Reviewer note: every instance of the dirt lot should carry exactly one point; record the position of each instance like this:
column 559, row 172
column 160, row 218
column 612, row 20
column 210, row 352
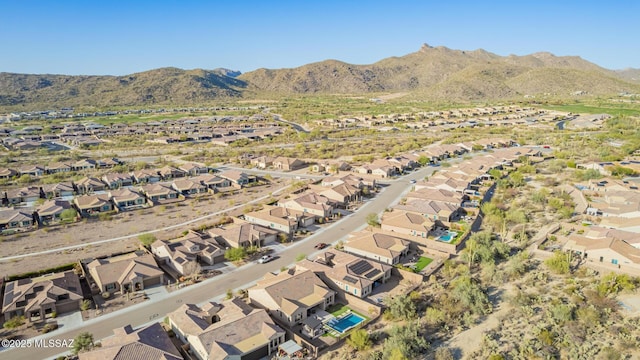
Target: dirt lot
column 123, row 224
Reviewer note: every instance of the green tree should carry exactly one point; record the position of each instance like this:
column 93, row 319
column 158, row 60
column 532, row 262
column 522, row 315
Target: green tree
column 82, row 342
column 612, row 284
column 469, row 294
column 85, row 305
column 359, row 340
column 401, row 307
column 14, row 322
column 423, row 160
column 235, row 254
column 24, row 179
column 372, row 220
column 147, row 239
column 69, row 214
column 404, row 342
column 558, row 263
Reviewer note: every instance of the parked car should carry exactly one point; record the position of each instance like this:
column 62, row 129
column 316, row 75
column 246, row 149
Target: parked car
column 320, row 246
column 412, row 181
column 265, row 259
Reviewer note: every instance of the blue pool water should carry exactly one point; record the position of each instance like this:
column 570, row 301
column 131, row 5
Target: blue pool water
column 450, row 235
column 346, row 322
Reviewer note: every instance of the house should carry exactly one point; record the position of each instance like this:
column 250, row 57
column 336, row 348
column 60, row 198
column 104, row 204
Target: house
column 311, row 203
column 406, row 223
column 243, row 234
column 84, row 164
column 212, row 182
column 288, row 164
column 193, row 169
column 150, row 342
column 159, row 193
column 440, row 195
column 108, row 163
column 126, row 199
column 189, row 187
column 7, row 174
column 292, row 296
column 51, row 210
column 27, row 194
column 91, row 205
column 434, row 210
column 43, row 298
column 32, row 170
column 280, row 218
column 381, row 247
column 184, row 254
column 341, row 195
column 59, row 190
column 170, row 173
column 87, row 185
column 262, row 162
column 16, row 219
column 117, row 180
column 444, row 183
column 145, row 176
column 348, row 273
column 125, row 273
column 608, row 250
column 226, row 331
column 238, row 179
column 59, row 167
column 352, row 180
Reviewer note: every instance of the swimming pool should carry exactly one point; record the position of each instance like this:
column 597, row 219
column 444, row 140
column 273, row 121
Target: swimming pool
column 448, row 237
column 345, row 323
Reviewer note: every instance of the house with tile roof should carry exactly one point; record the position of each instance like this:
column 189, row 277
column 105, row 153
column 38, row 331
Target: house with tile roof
column 348, row 273
column 288, row 164
column 433, row 210
column 130, row 272
column 227, row 330
column 58, row 190
column 145, row 176
column 50, row 211
column 27, row 194
column 280, row 219
column 92, row 205
column 189, row 187
column 407, row 223
column 159, row 193
column 150, row 342
column 184, row 254
column 311, row 203
column 6, row 173
column 127, row 199
column 193, row 169
column 87, row 185
column 117, row 180
column 168, row 173
column 16, row 219
column 242, row 233
column 385, row 248
column 292, row 296
column 238, row 178
column 609, row 250
column 38, row 299
column 213, row 182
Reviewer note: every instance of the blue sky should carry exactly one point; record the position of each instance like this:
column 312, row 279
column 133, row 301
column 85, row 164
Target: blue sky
column 122, row 37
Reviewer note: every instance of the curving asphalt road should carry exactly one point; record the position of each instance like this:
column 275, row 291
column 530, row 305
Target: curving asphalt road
column 242, row 277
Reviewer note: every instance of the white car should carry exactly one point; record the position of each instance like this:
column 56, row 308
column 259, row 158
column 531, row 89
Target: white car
column 265, row 259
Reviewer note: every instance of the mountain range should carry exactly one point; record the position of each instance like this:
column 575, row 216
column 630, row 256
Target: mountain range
column 432, row 73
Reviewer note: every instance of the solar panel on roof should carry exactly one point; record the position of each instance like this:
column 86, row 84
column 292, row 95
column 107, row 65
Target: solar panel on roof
column 350, row 279
column 372, row 273
column 9, row 287
column 361, row 267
